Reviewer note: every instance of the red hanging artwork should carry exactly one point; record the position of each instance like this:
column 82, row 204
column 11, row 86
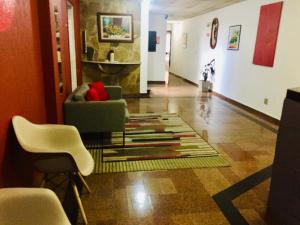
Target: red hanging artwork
column 267, row 33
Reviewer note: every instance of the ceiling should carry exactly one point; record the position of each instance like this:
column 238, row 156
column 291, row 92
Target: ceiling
column 183, row 9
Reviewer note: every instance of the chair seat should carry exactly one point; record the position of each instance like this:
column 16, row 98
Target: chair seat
column 28, row 206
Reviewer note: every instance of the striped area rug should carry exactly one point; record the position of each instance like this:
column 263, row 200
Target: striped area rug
column 156, row 142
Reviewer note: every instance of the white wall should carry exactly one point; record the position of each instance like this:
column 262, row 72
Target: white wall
column 169, row 27
column 72, row 47
column 236, row 76
column 144, row 45
column 156, row 60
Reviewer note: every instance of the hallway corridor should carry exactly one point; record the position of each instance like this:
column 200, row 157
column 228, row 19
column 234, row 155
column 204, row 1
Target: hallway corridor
column 177, row 87
column 192, row 196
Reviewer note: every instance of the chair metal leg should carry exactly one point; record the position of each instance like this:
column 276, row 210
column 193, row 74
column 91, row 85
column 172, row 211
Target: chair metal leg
column 123, row 139
column 84, row 182
column 102, row 140
column 77, row 196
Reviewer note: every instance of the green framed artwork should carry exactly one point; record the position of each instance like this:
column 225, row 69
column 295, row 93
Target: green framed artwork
column 234, row 37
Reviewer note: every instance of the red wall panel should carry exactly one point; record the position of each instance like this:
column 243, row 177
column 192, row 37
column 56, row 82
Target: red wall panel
column 21, row 83
column 26, row 76
column 267, row 34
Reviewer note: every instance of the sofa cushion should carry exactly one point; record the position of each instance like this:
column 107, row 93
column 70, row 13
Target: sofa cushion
column 114, row 92
column 78, row 98
column 79, row 93
column 99, row 87
column 92, row 95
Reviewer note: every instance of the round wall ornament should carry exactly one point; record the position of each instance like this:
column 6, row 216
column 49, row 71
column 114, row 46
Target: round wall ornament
column 214, row 33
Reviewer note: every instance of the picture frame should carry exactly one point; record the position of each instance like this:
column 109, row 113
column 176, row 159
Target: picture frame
column 234, row 37
column 115, row 27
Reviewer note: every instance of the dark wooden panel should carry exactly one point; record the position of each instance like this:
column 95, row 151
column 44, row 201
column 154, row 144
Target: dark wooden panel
column 284, row 198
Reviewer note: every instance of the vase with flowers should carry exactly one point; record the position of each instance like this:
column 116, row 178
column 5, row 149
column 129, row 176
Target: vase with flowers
column 208, row 76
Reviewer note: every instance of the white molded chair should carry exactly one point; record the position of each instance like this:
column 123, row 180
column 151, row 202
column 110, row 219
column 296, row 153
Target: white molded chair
column 28, row 206
column 55, row 149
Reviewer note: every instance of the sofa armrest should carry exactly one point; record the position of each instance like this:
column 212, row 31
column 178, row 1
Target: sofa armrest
column 114, row 92
column 103, row 116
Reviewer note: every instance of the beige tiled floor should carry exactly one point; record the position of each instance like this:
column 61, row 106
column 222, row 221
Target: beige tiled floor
column 185, row 196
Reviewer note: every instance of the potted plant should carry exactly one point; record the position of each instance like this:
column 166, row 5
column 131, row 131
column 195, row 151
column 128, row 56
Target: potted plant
column 208, row 74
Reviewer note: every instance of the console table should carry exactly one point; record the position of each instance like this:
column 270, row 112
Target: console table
column 113, row 69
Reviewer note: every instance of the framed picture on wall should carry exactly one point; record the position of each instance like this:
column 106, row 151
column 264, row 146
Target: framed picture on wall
column 184, row 40
column 115, row 27
column 234, row 37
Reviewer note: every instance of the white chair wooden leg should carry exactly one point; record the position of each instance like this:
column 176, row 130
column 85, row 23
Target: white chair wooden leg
column 77, row 196
column 84, row 183
column 45, row 178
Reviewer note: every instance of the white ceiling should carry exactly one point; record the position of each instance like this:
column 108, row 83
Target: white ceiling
column 182, row 9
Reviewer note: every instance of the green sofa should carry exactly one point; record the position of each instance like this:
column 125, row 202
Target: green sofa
column 96, row 116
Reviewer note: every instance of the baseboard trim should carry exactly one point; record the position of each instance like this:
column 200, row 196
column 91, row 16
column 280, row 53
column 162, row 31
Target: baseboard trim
column 139, row 95
column 190, row 82
column 157, row 82
column 248, row 109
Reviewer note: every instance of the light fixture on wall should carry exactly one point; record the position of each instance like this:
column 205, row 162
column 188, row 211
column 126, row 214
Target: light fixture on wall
column 7, row 13
column 84, row 45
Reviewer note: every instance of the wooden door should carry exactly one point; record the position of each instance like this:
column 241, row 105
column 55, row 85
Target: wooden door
column 55, row 56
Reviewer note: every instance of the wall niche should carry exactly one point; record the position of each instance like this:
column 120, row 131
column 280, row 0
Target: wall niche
column 129, row 78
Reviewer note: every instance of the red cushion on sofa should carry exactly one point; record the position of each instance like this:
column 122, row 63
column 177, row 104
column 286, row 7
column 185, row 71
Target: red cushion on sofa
column 100, row 90
column 92, row 95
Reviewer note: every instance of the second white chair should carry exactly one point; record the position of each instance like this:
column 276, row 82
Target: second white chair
column 28, row 206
